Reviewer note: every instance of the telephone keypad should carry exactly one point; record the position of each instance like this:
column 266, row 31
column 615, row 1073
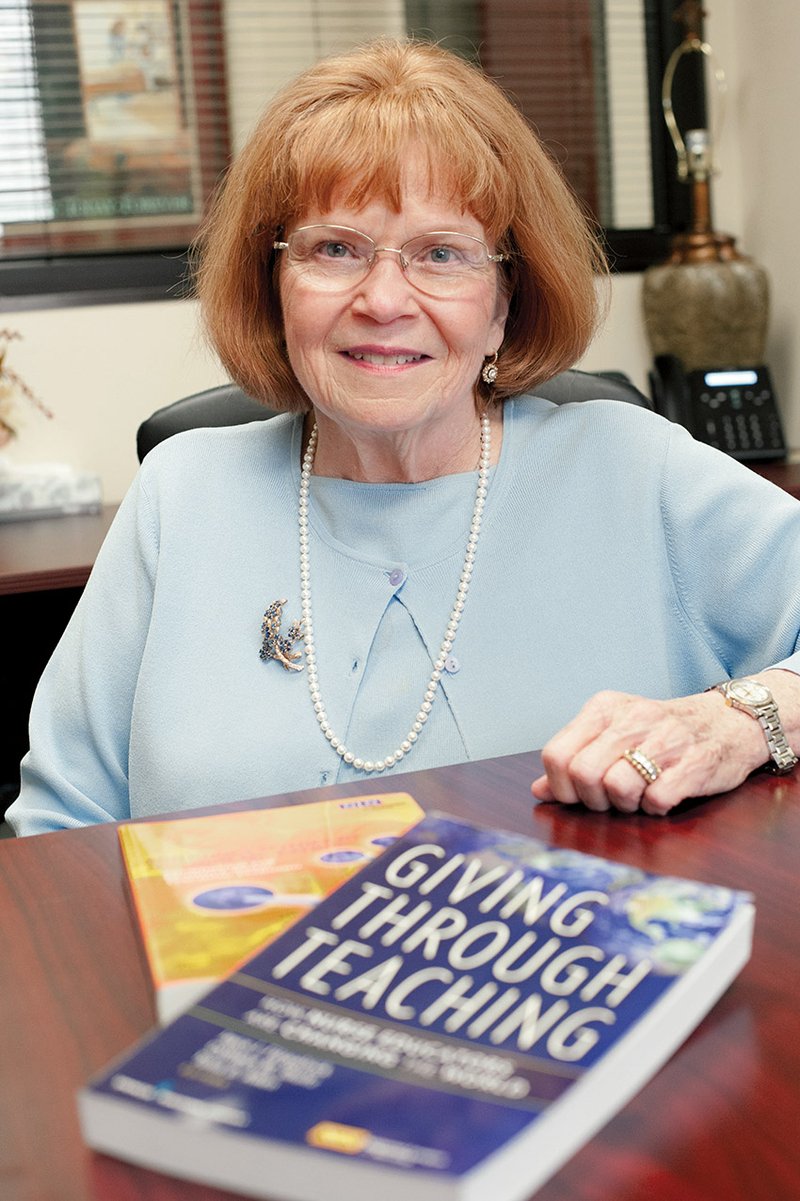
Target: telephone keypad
column 741, row 421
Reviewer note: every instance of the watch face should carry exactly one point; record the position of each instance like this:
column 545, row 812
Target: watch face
column 750, row 692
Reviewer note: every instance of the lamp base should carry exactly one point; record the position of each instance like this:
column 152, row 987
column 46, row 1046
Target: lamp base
column 709, row 313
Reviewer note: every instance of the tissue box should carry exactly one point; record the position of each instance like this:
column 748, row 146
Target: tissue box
column 47, row 490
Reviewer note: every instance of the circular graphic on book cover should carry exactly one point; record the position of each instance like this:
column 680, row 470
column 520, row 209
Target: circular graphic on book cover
column 233, row 898
column 383, row 840
column 342, row 855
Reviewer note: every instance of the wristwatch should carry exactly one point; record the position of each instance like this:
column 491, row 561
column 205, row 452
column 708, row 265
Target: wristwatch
column 756, row 699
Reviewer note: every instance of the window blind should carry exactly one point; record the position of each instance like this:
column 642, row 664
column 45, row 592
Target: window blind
column 577, row 69
column 119, row 116
column 24, row 185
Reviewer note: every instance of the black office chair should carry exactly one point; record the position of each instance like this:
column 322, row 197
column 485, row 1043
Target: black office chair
column 228, row 405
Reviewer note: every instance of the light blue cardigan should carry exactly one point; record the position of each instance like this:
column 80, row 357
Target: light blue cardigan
column 615, row 553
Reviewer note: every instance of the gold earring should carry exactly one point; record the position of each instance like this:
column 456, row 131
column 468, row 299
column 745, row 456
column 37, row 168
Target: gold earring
column 489, row 372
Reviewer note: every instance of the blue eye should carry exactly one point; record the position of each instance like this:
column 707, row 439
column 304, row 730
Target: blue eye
column 334, row 250
column 431, row 255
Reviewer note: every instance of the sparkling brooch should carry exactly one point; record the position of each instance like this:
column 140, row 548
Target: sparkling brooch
column 275, row 645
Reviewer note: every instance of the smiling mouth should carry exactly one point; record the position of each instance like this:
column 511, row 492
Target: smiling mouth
column 384, row 360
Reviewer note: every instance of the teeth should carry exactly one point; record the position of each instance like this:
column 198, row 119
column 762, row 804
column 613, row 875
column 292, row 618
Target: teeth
column 383, row 360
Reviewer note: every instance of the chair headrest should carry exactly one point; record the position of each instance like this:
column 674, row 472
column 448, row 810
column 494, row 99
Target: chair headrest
column 227, row 404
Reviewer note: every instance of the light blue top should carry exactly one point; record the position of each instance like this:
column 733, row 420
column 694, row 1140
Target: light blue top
column 615, row 553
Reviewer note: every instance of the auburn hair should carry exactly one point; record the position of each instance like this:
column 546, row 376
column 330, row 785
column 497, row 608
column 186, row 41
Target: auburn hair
column 345, row 128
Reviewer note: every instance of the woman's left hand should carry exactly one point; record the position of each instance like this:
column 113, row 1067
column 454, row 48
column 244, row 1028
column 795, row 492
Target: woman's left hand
column 699, row 745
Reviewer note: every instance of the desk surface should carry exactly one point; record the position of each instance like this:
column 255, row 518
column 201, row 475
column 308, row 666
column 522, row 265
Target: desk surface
column 42, row 553
column 785, row 475
column 719, row 1122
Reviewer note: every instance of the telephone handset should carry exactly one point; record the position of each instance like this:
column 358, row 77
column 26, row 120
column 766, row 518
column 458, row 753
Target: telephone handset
column 732, row 409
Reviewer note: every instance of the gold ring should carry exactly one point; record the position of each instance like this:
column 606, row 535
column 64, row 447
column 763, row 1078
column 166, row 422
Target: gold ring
column 645, row 766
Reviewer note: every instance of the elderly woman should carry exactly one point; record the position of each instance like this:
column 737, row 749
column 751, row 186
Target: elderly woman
column 419, row 562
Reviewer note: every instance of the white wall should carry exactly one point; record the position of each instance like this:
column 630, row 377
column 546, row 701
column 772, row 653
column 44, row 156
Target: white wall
column 102, row 370
column 765, row 108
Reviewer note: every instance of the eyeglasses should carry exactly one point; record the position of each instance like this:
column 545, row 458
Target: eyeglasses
column 335, row 258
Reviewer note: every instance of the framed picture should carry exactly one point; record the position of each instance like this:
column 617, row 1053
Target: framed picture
column 132, row 117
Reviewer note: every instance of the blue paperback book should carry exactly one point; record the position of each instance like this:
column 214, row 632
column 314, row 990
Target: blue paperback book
column 451, row 1024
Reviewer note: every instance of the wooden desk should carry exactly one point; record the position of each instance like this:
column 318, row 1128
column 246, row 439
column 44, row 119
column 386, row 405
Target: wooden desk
column 51, row 552
column 785, row 475
column 719, row 1122
column 44, row 563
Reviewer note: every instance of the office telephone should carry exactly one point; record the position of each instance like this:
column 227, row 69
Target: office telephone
column 733, row 409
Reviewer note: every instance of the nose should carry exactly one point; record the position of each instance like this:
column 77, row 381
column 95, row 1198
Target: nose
column 385, row 291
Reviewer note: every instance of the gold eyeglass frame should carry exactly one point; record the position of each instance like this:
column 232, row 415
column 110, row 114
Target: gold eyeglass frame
column 398, row 250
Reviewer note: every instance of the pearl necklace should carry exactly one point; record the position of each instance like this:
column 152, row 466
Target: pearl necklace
column 379, row 765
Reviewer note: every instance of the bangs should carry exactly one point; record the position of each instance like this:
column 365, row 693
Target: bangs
column 362, row 150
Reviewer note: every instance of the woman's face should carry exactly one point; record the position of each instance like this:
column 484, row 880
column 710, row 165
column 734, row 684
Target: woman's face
column 383, row 356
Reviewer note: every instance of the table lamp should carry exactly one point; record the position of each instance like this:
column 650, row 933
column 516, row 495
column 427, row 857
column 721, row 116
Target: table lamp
column 707, row 304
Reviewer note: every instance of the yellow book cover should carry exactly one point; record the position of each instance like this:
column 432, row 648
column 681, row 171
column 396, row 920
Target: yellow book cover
column 210, row 891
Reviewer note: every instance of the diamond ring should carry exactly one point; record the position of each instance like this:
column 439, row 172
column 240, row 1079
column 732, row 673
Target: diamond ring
column 645, row 766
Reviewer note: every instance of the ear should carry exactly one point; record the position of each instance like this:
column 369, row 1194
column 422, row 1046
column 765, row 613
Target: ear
column 497, row 328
